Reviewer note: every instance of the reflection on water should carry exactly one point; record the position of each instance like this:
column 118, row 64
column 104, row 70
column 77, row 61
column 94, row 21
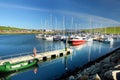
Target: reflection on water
column 7, row 76
column 78, row 47
column 111, row 44
column 35, row 70
column 48, row 70
column 65, row 62
column 89, row 50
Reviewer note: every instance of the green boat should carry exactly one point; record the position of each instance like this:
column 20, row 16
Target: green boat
column 10, row 67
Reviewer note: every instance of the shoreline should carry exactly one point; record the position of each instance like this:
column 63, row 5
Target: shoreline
column 16, row 33
column 69, row 75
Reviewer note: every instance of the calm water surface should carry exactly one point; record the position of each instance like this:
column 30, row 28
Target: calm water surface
column 49, row 70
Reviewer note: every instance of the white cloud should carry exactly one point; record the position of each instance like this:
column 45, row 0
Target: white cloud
column 23, row 7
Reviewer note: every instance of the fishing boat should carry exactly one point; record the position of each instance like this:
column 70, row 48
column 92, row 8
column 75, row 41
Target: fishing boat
column 11, row 67
column 76, row 40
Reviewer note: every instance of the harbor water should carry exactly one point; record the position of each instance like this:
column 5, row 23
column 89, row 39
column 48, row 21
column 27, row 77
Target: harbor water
column 51, row 69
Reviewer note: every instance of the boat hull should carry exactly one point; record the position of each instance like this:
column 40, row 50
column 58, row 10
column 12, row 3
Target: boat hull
column 74, row 43
column 8, row 67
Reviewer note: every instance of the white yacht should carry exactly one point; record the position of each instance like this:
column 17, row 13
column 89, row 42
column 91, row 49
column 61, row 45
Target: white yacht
column 48, row 37
column 39, row 36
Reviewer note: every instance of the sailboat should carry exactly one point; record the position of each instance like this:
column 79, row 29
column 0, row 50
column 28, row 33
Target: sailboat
column 75, row 39
column 48, row 36
column 89, row 38
column 40, row 36
column 56, row 37
column 60, row 37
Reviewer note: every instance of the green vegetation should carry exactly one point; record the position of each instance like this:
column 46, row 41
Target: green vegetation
column 13, row 30
column 106, row 30
column 9, row 28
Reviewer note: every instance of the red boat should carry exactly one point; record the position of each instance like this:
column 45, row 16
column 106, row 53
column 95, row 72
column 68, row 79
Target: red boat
column 77, row 43
column 76, row 40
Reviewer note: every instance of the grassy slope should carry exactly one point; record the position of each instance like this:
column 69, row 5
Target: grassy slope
column 9, row 28
column 107, row 30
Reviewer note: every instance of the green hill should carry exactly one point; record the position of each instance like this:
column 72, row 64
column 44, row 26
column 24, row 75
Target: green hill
column 13, row 30
column 9, row 28
column 106, row 30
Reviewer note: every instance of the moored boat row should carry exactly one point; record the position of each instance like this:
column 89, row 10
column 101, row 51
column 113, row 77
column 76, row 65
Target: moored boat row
column 78, row 38
column 50, row 37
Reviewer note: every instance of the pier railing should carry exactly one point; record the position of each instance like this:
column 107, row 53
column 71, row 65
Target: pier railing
column 27, row 53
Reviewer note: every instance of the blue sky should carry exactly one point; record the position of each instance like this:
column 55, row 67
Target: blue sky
column 48, row 14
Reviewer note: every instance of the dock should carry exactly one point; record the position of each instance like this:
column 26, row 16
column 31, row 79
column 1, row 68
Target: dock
column 39, row 56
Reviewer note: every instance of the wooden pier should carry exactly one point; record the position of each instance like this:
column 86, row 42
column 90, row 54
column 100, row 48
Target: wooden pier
column 39, row 56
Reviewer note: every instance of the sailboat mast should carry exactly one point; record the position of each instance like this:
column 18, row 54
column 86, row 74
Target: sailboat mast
column 51, row 21
column 71, row 24
column 51, row 28
column 90, row 25
column 66, row 45
column 63, row 23
column 56, row 23
column 41, row 26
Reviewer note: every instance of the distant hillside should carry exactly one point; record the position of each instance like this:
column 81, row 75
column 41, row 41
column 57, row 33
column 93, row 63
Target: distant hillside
column 13, row 30
column 9, row 28
column 107, row 30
